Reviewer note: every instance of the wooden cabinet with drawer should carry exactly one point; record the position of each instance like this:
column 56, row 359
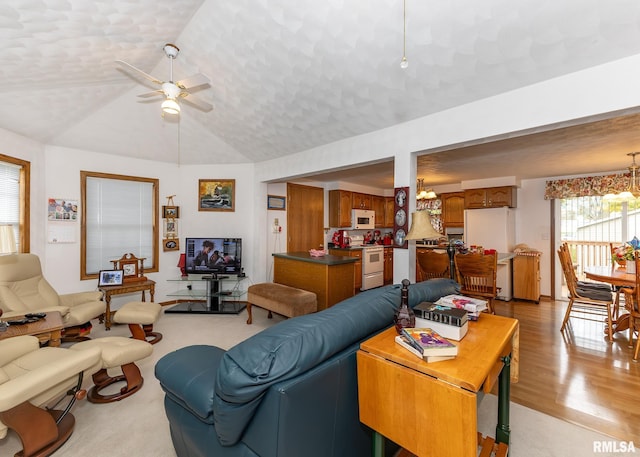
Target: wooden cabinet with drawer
column 357, row 265
column 526, row 277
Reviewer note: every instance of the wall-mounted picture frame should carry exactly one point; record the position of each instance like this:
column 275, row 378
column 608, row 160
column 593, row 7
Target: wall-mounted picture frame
column 276, row 202
column 400, row 219
column 216, row 194
column 170, row 228
column 171, row 244
column 170, row 212
column 110, row 278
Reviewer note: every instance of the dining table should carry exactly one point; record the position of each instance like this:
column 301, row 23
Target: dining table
column 616, row 276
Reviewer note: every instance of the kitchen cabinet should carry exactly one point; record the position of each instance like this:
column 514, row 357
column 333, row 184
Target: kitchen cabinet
column 452, row 209
column 526, row 276
column 360, row 201
column 378, row 204
column 357, row 253
column 340, row 202
column 388, row 266
column 389, row 213
column 490, row 197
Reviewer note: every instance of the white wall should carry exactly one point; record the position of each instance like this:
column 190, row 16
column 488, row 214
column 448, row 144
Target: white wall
column 61, row 262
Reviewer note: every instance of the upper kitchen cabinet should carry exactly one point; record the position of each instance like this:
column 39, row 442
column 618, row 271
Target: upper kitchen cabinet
column 389, row 211
column 340, row 203
column 377, row 202
column 453, row 209
column 491, row 197
column 360, row 201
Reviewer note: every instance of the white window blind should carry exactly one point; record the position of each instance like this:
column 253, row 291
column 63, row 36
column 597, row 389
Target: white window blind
column 119, row 220
column 10, row 196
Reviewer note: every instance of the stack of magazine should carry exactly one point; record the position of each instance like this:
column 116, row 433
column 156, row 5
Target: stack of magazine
column 427, row 344
column 451, row 323
column 473, row 306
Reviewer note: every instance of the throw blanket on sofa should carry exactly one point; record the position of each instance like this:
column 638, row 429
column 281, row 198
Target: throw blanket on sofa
column 296, row 345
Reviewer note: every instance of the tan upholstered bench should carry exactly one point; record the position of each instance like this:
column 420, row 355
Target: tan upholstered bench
column 117, row 351
column 140, row 316
column 280, row 299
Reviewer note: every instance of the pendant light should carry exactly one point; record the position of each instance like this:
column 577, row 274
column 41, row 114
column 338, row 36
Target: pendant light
column 404, row 63
column 632, row 192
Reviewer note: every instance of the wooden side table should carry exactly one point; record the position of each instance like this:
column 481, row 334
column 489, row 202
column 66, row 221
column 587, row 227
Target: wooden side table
column 126, row 288
column 48, row 329
column 431, row 408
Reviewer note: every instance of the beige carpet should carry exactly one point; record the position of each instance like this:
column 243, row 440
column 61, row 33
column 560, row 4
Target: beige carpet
column 137, row 426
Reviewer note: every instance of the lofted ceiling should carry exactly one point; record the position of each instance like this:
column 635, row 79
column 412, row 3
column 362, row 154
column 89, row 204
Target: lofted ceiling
column 287, row 76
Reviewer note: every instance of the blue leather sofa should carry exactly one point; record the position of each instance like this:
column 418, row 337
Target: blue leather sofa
column 288, row 391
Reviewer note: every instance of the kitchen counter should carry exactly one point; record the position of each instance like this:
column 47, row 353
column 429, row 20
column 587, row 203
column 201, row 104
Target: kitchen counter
column 306, row 257
column 330, row 277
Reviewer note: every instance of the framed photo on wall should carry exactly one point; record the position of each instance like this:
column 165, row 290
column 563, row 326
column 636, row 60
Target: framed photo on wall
column 170, row 212
column 171, row 244
column 276, row 202
column 400, row 217
column 216, row 194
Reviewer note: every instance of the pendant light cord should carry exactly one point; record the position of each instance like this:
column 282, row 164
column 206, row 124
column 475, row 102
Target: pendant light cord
column 404, row 63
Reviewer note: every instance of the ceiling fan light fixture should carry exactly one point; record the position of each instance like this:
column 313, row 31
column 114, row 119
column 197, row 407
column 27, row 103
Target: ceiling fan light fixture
column 170, row 106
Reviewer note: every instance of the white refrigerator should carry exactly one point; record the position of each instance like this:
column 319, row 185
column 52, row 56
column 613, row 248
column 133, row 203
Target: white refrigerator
column 494, row 228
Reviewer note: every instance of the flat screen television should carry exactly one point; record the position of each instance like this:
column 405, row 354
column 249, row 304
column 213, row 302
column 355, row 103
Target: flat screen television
column 213, row 255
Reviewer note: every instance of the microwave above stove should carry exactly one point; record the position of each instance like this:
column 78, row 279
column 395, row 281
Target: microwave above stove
column 363, row 219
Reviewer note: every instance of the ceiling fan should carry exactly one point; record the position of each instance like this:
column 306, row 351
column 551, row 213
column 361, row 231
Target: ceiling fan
column 174, row 90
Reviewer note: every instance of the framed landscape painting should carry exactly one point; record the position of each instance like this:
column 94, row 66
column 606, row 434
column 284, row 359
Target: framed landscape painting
column 216, row 195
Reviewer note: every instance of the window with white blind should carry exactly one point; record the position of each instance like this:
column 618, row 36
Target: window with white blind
column 119, row 216
column 14, row 198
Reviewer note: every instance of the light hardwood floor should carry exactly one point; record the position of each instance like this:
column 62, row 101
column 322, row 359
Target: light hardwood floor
column 577, row 375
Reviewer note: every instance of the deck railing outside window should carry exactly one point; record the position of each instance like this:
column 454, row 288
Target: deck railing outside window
column 589, row 253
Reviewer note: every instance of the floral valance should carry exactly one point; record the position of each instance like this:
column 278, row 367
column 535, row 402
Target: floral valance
column 587, row 186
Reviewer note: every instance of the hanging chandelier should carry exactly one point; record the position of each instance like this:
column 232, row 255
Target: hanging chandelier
column 423, row 194
column 632, row 191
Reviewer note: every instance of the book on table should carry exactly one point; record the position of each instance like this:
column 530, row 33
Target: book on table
column 440, row 313
column 474, row 306
column 404, row 342
column 450, row 332
column 429, row 342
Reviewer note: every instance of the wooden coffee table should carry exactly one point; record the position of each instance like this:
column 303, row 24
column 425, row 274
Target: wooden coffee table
column 48, row 329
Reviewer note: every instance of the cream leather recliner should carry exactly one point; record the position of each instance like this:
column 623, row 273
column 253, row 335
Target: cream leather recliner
column 31, row 377
column 23, row 290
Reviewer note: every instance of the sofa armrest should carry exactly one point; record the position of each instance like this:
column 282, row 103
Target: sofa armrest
column 12, row 348
column 188, row 377
column 47, row 376
column 63, row 310
column 78, row 298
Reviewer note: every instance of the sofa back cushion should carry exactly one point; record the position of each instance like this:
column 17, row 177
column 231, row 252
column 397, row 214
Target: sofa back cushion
column 22, row 286
column 296, row 345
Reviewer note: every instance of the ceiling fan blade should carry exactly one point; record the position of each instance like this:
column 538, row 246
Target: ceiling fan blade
column 192, row 81
column 201, row 105
column 140, row 72
column 151, row 94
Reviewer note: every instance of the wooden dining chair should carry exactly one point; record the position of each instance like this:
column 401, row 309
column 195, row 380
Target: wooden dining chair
column 476, row 274
column 588, row 302
column 432, row 264
column 632, row 306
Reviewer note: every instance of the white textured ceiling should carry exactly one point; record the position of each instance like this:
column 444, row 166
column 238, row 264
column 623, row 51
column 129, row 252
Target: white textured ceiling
column 285, row 75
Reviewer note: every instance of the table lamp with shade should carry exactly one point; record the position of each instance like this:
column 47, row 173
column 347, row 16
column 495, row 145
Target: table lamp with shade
column 422, row 229
column 7, row 240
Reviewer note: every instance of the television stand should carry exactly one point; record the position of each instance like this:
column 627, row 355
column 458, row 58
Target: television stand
column 212, row 299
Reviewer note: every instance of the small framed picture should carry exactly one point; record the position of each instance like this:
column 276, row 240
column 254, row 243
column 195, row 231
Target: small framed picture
column 110, row 278
column 276, row 202
column 170, row 228
column 171, row 244
column 170, row 212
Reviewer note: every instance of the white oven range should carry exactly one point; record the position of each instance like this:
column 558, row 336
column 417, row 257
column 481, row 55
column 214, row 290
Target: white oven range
column 372, row 266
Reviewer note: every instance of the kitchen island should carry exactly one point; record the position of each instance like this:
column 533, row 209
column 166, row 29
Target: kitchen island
column 330, row 277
